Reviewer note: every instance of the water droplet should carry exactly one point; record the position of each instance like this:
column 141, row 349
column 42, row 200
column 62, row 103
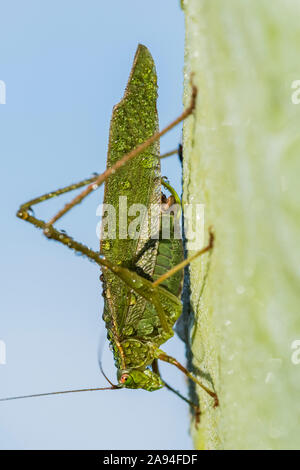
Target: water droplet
column 95, row 186
column 106, row 245
column 147, row 162
column 126, row 185
column 105, row 317
column 128, row 330
column 132, row 300
column 22, row 215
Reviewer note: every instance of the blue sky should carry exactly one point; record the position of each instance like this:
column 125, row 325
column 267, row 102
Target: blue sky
column 65, row 65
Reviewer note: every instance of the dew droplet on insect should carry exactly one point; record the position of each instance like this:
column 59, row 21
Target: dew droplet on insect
column 95, row 186
column 126, row 184
column 147, row 162
column 132, row 300
column 106, row 245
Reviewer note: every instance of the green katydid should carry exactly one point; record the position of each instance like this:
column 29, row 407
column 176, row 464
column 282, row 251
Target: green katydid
column 142, row 276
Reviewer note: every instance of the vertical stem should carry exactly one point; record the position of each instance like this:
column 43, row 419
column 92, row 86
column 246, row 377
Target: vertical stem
column 241, row 159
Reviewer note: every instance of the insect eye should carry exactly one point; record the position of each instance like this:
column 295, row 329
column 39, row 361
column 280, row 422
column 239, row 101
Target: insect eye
column 124, row 378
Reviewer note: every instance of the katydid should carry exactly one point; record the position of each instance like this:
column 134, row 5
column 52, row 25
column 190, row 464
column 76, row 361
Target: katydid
column 142, row 276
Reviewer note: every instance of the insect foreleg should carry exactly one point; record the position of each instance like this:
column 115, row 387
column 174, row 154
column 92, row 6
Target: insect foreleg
column 172, row 191
column 164, row 357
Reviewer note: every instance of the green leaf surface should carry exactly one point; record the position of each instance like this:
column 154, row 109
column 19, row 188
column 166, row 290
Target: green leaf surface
column 242, row 160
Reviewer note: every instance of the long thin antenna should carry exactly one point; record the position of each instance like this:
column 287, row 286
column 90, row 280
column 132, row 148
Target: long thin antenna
column 104, row 375
column 113, row 387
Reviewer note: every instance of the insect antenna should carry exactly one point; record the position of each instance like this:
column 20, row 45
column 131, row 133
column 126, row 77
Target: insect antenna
column 113, row 387
column 104, row 375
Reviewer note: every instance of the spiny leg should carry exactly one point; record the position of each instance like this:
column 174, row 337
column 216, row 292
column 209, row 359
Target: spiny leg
column 67, row 240
column 57, row 192
column 129, row 156
column 51, row 232
column 93, row 183
column 195, row 407
column 171, row 360
column 61, row 236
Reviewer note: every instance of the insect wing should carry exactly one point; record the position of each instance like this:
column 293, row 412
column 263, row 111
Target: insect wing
column 135, row 186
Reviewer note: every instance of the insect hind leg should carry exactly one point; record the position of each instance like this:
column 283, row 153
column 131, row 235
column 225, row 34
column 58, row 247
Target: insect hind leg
column 58, row 192
column 50, row 232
